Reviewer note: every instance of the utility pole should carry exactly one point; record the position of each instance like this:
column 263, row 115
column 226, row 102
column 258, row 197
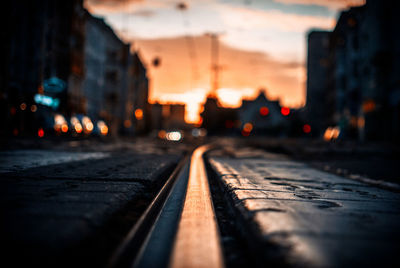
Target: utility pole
column 215, row 67
column 190, row 46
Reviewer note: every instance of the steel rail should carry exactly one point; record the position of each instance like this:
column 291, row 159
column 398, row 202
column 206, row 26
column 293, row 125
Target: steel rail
column 197, row 242
column 129, row 248
column 179, row 228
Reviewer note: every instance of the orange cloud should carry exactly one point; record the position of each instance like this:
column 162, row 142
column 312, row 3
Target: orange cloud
column 109, row 6
column 250, row 19
column 332, row 4
column 241, row 72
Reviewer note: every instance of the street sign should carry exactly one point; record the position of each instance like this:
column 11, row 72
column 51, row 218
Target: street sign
column 54, row 85
column 47, row 101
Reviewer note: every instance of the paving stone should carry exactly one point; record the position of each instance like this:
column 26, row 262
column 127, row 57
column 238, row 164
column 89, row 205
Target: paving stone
column 316, row 218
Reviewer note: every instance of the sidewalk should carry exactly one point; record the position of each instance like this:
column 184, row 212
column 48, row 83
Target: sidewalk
column 299, row 216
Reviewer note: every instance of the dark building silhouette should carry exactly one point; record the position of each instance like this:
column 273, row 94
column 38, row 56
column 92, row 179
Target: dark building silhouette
column 138, row 91
column 319, row 109
column 107, row 61
column 361, row 75
column 258, row 116
column 346, row 58
column 168, row 116
column 73, row 60
column 42, row 40
column 380, row 69
column 264, row 115
column 217, row 119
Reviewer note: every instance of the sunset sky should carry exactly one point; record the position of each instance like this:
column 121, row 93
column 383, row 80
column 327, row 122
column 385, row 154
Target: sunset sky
column 262, row 45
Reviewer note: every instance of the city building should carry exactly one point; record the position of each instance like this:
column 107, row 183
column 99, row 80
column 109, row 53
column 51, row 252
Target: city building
column 61, row 60
column 76, row 101
column 138, row 95
column 217, row 119
column 346, row 59
column 168, row 116
column 354, row 82
column 320, row 97
column 262, row 116
column 43, row 42
column 115, row 88
column 380, row 69
column 106, row 60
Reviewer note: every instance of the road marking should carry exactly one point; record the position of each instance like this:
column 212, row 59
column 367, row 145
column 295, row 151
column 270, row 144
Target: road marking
column 197, row 242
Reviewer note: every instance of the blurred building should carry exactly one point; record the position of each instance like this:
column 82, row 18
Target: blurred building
column 174, row 115
column 42, row 43
column 95, row 64
column 76, row 101
column 262, row 116
column 156, row 116
column 217, row 119
column 137, row 99
column 59, row 59
column 380, row 70
column 168, row 116
column 319, row 110
column 258, row 116
column 105, row 87
column 346, row 58
column 361, row 75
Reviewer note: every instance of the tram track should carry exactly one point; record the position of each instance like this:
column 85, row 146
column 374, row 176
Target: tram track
column 179, row 228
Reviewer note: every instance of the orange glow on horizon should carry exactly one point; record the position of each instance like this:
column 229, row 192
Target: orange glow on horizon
column 194, row 100
column 227, row 98
column 248, row 59
column 243, row 76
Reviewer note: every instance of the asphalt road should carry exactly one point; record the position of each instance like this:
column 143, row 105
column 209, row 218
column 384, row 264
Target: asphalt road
column 70, row 203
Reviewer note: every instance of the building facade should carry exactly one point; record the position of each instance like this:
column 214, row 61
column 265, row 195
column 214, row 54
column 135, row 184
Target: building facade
column 264, row 116
column 362, row 74
column 115, row 88
column 168, row 116
column 319, row 98
column 41, row 44
column 61, row 60
column 106, row 67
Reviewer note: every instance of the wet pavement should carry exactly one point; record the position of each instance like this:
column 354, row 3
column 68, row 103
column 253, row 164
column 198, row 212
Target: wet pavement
column 71, row 205
column 296, row 215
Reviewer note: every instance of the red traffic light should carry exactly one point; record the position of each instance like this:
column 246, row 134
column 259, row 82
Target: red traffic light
column 285, row 111
column 264, row 111
column 306, row 128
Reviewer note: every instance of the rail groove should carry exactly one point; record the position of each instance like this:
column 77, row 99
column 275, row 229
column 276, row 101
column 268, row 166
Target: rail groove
column 179, row 228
